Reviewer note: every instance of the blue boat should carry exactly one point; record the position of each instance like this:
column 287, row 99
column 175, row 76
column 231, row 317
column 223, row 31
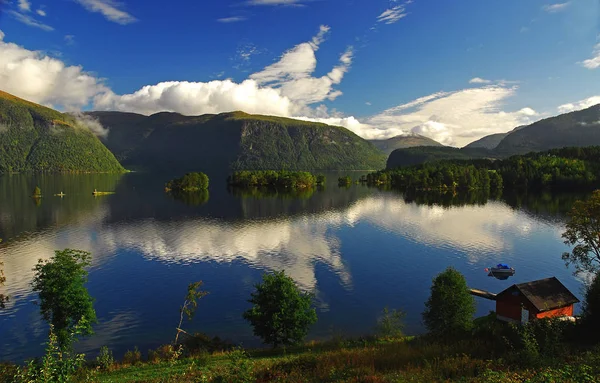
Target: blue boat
column 500, row 271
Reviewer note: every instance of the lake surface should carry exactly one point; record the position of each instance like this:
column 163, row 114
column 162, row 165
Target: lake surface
column 358, row 249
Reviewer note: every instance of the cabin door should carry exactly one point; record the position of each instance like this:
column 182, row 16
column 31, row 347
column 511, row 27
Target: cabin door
column 524, row 316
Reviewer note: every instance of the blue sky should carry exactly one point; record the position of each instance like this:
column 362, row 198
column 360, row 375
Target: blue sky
column 453, row 71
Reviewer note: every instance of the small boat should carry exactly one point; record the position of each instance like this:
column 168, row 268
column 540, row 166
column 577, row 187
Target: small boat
column 61, row 194
column 500, row 271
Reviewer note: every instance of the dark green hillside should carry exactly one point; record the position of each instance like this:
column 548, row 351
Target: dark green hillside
column 125, row 131
column 488, row 142
column 34, row 138
column 419, row 155
column 580, row 128
column 236, row 141
column 403, row 142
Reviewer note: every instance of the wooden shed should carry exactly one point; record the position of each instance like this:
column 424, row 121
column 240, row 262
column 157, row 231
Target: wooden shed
column 546, row 298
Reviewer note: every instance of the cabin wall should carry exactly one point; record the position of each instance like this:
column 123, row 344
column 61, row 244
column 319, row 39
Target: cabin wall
column 565, row 311
column 509, row 306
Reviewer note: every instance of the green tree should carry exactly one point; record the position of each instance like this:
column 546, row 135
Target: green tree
column 3, row 298
column 583, row 232
column 281, row 312
column 190, row 304
column 64, row 300
column 189, row 182
column 591, row 307
column 37, row 192
column 391, row 323
column 450, row 308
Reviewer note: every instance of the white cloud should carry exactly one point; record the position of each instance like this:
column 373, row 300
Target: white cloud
column 292, row 74
column 41, row 12
column 24, row 5
column 594, row 62
column 194, row 98
column 453, row 118
column 554, row 8
column 28, row 20
column 368, row 103
column 232, row 19
column 111, row 9
column 36, row 77
column 582, row 104
column 92, row 123
column 392, row 15
column 479, row 80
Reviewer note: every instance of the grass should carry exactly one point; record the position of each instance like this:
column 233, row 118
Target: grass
column 409, row 359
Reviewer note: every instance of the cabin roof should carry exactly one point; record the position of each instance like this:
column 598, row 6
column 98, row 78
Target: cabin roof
column 544, row 294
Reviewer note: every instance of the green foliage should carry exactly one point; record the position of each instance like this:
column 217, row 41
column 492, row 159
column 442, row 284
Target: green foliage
column 132, row 357
column 37, row 192
column 3, row 298
column 190, row 304
column 39, row 139
column 272, row 179
column 591, row 308
column 64, row 300
column 189, row 183
column 321, row 179
column 565, row 169
column 390, row 324
column 57, row 366
column 345, row 181
column 280, row 313
column 105, row 359
column 450, row 308
column 583, row 232
column 239, row 368
column 235, row 141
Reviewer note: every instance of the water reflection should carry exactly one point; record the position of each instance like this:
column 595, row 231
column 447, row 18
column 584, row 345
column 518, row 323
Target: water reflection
column 357, row 248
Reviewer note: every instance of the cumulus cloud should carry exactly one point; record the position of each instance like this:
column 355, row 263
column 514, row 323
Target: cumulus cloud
column 24, row 5
column 594, row 62
column 110, row 9
column 92, row 123
column 28, row 20
column 582, row 104
column 453, row 118
column 39, row 78
column 392, row 15
column 554, row 8
column 479, row 80
column 193, row 98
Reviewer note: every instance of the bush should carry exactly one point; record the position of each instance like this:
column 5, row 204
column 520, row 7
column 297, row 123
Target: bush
column 281, row 313
column 132, row 357
column 344, row 181
column 391, row 323
column 105, row 358
column 450, row 308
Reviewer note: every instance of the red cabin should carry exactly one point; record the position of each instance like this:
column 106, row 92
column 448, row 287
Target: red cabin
column 546, row 298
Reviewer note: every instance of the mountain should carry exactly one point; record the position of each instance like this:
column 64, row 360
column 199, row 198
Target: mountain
column 580, row 128
column 34, row 138
column 575, row 129
column 403, row 142
column 488, row 142
column 419, row 155
column 234, row 141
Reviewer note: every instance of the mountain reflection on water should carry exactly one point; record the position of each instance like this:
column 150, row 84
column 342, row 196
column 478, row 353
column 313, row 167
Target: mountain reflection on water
column 358, row 249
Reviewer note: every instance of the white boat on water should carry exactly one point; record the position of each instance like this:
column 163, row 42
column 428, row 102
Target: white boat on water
column 501, row 270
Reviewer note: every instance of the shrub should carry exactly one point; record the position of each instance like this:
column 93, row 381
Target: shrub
column 132, row 357
column 391, row 323
column 281, row 313
column 450, row 308
column 105, row 358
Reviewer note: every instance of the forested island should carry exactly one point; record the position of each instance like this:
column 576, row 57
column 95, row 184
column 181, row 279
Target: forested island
column 275, row 179
column 191, row 182
column 556, row 169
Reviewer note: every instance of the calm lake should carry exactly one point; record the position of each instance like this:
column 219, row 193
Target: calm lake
column 358, row 249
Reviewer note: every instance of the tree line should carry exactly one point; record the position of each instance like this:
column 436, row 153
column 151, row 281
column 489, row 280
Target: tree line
column 557, row 169
column 275, row 179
